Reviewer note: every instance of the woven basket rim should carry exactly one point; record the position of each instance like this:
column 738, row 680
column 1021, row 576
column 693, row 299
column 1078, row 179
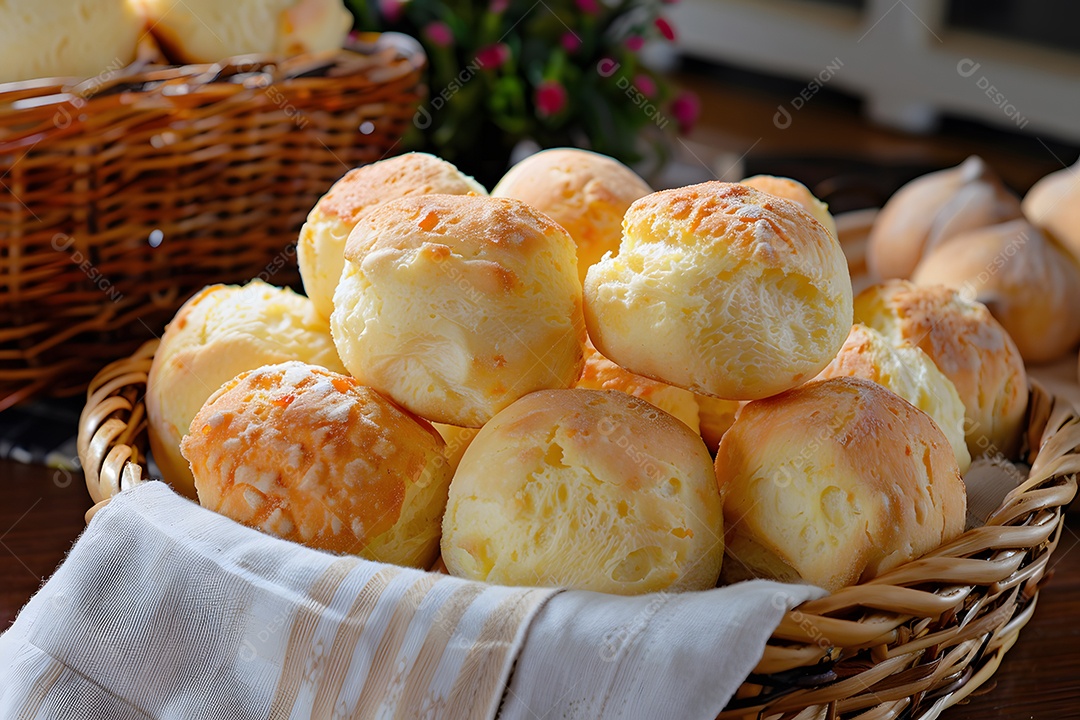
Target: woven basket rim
column 935, row 628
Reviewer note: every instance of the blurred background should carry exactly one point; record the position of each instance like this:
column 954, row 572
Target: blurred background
column 873, row 93
column 853, row 97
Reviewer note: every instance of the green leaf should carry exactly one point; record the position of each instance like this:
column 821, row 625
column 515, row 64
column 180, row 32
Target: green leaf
column 508, row 105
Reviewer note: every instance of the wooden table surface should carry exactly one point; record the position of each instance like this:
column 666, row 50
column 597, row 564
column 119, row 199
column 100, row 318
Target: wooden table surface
column 41, row 515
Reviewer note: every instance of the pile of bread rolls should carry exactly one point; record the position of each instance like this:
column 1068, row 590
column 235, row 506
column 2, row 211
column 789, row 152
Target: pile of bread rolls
column 575, row 381
column 97, row 38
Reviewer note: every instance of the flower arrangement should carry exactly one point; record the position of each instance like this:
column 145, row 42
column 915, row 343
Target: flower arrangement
column 557, row 72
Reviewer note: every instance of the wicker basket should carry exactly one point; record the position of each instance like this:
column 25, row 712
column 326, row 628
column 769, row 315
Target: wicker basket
column 908, row 643
column 121, row 196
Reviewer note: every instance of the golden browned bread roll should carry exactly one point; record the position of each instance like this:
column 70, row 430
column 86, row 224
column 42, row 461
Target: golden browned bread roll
column 1053, row 204
column 930, row 210
column 585, row 192
column 715, row 416
column 457, row 441
column 968, row 345
column 455, row 306
column 1028, row 282
column 312, row 456
column 206, row 31
column 796, row 192
column 834, row 483
column 588, row 489
column 95, row 38
column 910, row 373
column 602, row 374
column 320, row 251
column 723, row 290
column 220, row 332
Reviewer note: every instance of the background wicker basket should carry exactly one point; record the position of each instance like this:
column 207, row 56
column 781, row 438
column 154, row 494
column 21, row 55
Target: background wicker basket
column 122, row 195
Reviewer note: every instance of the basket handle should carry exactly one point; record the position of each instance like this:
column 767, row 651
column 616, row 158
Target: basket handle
column 112, row 428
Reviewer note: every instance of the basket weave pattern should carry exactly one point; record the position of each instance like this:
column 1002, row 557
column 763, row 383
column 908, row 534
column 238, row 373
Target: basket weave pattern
column 121, row 196
column 908, row 643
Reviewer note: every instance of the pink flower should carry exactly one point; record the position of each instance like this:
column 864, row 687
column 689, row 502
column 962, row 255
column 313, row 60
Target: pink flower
column 392, row 10
column 589, row 7
column 635, row 43
column 570, row 42
column 645, row 85
column 499, row 6
column 551, row 98
column 439, row 33
column 493, row 56
column 686, row 108
column 665, row 28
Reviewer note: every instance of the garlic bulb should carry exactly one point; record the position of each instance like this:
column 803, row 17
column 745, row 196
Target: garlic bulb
column 1053, row 204
column 1026, row 279
column 932, row 210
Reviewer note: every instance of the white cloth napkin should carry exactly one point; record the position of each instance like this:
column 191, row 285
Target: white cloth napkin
column 665, row 655
column 165, row 610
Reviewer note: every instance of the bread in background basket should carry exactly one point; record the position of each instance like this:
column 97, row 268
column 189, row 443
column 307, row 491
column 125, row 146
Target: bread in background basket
column 201, row 31
column 93, row 37
column 74, row 40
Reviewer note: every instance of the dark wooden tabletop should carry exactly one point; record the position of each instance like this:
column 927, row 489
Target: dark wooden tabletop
column 41, row 515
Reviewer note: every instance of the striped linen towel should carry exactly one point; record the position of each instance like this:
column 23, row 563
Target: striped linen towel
column 165, row 610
